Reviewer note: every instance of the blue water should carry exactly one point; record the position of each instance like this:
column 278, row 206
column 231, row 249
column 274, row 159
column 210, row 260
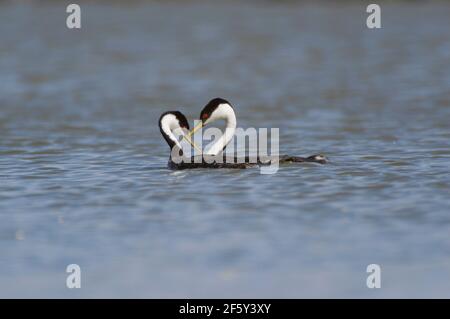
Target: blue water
column 83, row 165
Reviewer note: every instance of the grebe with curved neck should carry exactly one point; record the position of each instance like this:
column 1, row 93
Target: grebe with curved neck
column 221, row 109
column 216, row 109
column 169, row 122
column 174, row 123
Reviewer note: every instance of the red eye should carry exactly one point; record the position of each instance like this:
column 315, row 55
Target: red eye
column 205, row 116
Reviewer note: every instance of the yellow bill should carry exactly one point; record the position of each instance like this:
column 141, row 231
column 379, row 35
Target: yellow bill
column 188, row 139
column 196, row 128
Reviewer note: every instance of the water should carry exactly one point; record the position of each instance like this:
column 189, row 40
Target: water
column 83, row 165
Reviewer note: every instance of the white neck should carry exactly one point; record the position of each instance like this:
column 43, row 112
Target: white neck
column 224, row 111
column 169, row 124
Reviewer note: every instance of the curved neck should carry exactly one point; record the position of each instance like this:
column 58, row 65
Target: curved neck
column 223, row 141
column 167, row 128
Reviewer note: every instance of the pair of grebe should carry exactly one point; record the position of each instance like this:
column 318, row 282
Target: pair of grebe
column 216, row 109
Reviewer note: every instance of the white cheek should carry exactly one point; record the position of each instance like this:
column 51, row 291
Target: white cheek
column 166, row 129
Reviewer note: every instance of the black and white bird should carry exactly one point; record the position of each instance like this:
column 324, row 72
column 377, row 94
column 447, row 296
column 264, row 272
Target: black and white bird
column 215, row 157
column 173, row 124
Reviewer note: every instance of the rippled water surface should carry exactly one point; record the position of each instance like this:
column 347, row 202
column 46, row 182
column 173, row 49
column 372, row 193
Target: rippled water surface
column 83, row 165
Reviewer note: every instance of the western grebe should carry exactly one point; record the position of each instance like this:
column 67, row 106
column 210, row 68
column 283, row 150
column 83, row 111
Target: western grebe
column 169, row 122
column 216, row 109
column 174, row 123
column 221, row 109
